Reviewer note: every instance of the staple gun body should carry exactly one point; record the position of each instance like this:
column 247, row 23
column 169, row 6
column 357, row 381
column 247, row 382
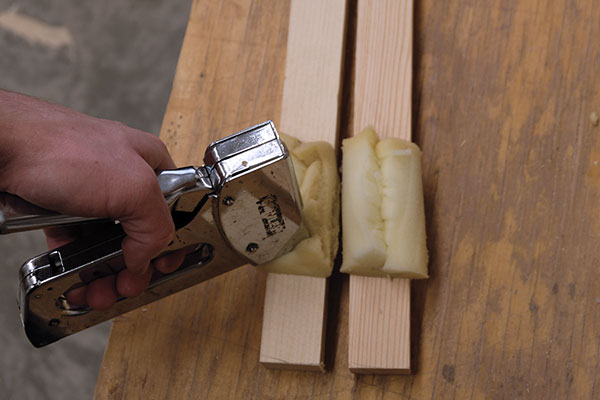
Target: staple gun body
column 241, row 207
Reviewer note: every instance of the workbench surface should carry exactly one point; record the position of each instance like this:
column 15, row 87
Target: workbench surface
column 505, row 94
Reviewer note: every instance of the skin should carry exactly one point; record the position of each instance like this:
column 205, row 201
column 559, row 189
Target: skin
column 74, row 164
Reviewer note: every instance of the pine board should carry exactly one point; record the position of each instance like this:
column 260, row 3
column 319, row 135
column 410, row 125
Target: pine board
column 379, row 322
column 294, row 323
column 294, row 320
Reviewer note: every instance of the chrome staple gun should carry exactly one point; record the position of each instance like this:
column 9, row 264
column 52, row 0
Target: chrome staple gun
column 243, row 206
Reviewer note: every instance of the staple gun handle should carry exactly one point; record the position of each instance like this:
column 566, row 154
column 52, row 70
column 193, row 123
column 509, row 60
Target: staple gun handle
column 17, row 215
column 46, row 314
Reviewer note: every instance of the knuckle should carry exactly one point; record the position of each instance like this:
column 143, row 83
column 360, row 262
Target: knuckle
column 118, row 129
column 160, row 146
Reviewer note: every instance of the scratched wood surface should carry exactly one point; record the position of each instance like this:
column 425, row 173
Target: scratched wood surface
column 503, row 93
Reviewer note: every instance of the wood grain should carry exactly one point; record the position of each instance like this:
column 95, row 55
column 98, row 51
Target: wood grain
column 502, row 97
column 313, row 70
column 379, row 322
column 294, row 320
column 383, row 67
column 379, row 325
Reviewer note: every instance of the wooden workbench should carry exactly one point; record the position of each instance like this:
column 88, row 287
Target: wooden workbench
column 503, row 93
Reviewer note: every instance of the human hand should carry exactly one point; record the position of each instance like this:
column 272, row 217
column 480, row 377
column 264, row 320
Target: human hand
column 75, row 164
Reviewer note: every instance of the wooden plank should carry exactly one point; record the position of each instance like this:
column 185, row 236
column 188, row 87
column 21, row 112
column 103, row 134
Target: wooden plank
column 379, row 322
column 503, row 92
column 379, row 329
column 295, row 306
column 293, row 330
column 313, row 70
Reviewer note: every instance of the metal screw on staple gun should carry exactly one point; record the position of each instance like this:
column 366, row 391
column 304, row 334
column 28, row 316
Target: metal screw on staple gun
column 252, row 247
column 228, row 201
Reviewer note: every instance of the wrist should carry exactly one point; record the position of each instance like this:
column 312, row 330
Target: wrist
column 13, row 108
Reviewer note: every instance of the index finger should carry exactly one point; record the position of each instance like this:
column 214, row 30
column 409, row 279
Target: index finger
column 147, row 222
column 152, row 150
